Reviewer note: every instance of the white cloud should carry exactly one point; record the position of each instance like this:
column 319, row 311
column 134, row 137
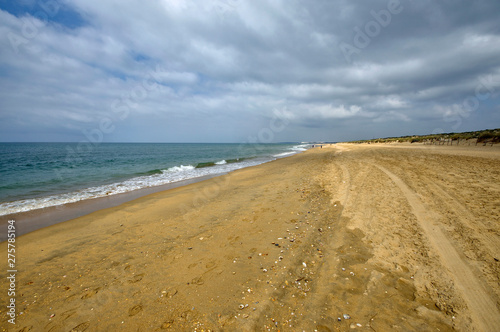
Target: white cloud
column 230, row 63
column 390, row 102
column 322, row 111
column 391, row 116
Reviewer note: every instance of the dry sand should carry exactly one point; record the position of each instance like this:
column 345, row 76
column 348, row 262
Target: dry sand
column 395, row 237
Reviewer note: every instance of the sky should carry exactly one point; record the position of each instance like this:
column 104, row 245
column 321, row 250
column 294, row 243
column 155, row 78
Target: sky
column 246, row 70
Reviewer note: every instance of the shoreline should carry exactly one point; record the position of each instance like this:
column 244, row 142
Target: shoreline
column 108, row 173
column 33, row 220
column 36, row 219
column 339, row 238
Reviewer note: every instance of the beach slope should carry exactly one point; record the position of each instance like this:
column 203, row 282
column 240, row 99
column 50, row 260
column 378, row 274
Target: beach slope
column 368, row 237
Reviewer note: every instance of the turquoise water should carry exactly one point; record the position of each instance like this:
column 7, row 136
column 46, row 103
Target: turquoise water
column 37, row 175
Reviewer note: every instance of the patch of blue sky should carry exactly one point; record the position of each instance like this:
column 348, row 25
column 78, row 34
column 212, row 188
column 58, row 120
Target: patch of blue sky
column 5, row 71
column 140, row 57
column 203, row 79
column 114, row 73
column 51, row 11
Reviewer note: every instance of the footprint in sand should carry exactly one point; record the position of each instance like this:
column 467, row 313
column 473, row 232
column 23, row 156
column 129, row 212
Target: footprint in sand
column 67, row 314
column 186, row 315
column 136, row 278
column 54, row 328
column 232, row 240
column 167, row 324
column 197, row 281
column 91, row 293
column 169, row 293
column 135, row 310
column 81, row 327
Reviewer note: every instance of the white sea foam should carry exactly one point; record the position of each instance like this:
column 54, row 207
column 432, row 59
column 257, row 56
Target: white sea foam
column 284, row 154
column 173, row 174
column 170, row 175
column 180, row 168
column 302, row 147
column 293, row 150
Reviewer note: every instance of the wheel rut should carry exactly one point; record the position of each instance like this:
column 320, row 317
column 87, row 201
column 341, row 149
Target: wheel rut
column 482, row 307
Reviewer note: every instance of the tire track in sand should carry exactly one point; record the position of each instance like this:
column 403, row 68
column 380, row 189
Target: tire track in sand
column 490, row 240
column 482, row 308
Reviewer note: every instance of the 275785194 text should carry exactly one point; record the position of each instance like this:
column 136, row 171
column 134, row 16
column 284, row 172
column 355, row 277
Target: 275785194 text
column 11, row 272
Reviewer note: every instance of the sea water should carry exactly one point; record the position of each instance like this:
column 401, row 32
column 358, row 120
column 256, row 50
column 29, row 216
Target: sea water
column 39, row 175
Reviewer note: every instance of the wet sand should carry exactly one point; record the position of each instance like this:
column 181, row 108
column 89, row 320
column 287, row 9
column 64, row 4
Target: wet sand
column 39, row 218
column 366, row 237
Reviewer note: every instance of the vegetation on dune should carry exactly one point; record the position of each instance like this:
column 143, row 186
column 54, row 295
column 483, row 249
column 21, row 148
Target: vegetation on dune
column 482, row 136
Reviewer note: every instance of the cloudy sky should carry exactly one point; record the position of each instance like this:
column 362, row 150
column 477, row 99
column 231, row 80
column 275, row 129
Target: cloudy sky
column 246, row 70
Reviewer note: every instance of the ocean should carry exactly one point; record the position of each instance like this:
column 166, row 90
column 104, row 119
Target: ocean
column 39, row 175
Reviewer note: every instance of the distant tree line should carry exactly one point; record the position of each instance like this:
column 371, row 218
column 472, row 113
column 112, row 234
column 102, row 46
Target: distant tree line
column 482, row 136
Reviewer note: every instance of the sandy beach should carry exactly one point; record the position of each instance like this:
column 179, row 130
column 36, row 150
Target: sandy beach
column 396, row 237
